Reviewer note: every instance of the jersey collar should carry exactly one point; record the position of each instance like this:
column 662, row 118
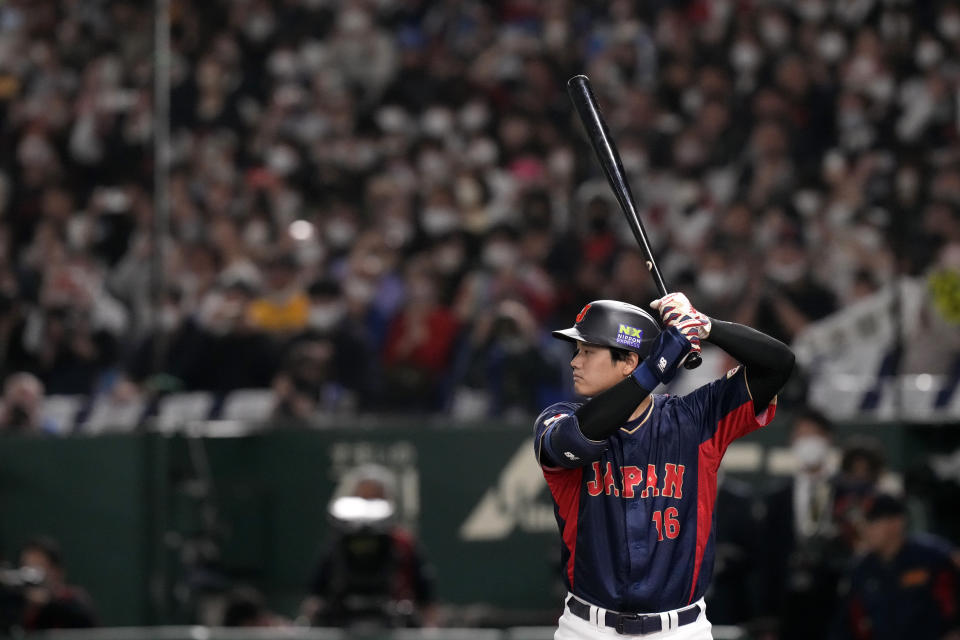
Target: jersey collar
column 636, row 423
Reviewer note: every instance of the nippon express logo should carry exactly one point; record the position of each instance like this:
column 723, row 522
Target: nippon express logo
column 629, row 336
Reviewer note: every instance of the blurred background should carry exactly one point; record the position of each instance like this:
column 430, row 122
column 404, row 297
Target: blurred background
column 258, row 257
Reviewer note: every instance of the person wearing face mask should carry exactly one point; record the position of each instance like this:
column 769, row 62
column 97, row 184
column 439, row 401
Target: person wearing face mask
column 21, row 406
column 949, row 24
column 746, row 56
column 327, row 319
column 284, row 306
column 500, row 370
column 720, row 280
column 789, row 298
column 804, row 555
column 180, row 339
column 419, row 344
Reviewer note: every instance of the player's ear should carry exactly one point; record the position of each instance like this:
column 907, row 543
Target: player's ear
column 631, row 362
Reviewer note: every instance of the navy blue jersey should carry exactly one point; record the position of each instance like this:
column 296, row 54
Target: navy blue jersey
column 637, row 520
column 914, row 595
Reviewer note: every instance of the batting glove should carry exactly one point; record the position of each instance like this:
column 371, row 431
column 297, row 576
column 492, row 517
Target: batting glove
column 676, row 311
column 666, row 355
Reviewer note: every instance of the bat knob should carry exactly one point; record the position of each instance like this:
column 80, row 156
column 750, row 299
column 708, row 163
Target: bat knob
column 693, row 360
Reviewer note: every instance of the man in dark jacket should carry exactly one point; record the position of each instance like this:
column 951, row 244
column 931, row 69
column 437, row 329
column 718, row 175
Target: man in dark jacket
column 906, row 586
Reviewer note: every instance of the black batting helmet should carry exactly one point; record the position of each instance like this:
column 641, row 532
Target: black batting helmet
column 613, row 324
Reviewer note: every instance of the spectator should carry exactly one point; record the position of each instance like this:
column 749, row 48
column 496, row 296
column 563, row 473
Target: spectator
column 722, row 281
column 630, row 280
column 804, row 555
column 13, row 319
column 861, row 468
column 418, row 345
column 176, row 333
column 510, row 268
column 232, row 355
column 352, row 352
column 52, row 603
column 936, row 315
column 374, row 571
column 906, row 586
column 73, row 336
column 306, row 383
column 285, row 306
column 785, row 296
column 500, row 370
column 22, row 408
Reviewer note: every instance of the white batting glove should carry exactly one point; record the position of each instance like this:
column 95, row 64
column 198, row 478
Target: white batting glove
column 676, row 311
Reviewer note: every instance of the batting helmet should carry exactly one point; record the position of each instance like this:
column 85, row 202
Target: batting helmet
column 613, row 324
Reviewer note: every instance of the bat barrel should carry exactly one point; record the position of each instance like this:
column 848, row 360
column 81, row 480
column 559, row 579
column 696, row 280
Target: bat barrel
column 581, row 94
column 585, row 102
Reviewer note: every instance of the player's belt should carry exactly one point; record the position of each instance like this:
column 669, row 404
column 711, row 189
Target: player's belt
column 633, row 623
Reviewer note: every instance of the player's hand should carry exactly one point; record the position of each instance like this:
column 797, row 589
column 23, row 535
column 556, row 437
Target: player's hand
column 668, row 352
column 676, row 311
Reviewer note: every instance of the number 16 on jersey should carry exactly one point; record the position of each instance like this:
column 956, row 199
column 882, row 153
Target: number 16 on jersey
column 667, row 523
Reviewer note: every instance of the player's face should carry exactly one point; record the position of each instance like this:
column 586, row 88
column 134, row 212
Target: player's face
column 594, row 370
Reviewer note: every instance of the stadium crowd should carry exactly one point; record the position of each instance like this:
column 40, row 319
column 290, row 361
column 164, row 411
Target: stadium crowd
column 389, row 204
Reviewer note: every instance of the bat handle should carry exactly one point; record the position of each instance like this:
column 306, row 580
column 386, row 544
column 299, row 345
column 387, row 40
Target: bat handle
column 693, row 360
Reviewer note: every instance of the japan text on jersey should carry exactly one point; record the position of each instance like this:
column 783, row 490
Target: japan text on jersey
column 636, row 511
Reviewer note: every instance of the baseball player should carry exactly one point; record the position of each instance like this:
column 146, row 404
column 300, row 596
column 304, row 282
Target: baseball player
column 633, row 474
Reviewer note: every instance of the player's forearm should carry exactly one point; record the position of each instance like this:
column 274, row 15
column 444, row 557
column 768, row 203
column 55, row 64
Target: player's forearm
column 768, row 361
column 752, row 348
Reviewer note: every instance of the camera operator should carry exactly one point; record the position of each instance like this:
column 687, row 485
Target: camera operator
column 304, row 384
column 374, row 573
column 73, row 335
column 500, row 370
column 36, row 596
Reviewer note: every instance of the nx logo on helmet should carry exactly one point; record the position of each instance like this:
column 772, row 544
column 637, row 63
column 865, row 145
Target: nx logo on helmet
column 629, row 336
column 583, row 312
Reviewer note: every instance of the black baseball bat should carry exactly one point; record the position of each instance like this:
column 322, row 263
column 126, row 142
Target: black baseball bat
column 589, row 111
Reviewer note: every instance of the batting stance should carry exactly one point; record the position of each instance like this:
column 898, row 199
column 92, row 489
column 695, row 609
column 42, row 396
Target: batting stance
column 633, row 474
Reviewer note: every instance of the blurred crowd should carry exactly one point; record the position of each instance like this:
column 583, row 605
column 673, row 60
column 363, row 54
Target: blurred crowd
column 387, row 205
